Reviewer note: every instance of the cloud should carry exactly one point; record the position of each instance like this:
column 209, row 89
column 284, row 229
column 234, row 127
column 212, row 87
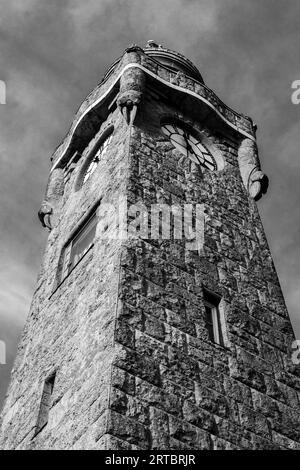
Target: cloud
column 15, row 296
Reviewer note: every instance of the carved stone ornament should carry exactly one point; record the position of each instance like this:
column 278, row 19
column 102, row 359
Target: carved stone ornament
column 54, row 191
column 128, row 103
column 132, row 84
column 255, row 181
column 45, row 214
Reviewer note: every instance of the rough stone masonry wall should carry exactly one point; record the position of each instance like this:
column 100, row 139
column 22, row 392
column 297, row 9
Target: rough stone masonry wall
column 71, row 330
column 171, row 387
column 150, row 378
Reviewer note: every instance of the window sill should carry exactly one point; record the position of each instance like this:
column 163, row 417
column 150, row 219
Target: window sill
column 39, row 431
column 217, row 345
column 221, row 347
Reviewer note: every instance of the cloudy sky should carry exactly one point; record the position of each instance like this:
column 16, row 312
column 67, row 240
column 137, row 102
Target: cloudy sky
column 55, row 51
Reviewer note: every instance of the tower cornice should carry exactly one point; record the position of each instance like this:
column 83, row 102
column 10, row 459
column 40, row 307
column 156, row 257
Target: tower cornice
column 96, row 106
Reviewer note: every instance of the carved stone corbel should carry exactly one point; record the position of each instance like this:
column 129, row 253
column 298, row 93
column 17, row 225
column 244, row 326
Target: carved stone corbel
column 128, row 103
column 45, row 214
column 54, row 191
column 132, row 85
column 255, row 181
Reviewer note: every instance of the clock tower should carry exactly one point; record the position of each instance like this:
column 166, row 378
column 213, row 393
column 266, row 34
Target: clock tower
column 158, row 321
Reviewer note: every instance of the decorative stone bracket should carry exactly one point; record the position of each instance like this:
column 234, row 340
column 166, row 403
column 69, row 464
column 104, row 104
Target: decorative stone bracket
column 54, row 191
column 128, row 103
column 45, row 214
column 132, row 84
column 255, row 181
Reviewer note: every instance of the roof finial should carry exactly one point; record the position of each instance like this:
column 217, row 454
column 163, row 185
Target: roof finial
column 152, row 43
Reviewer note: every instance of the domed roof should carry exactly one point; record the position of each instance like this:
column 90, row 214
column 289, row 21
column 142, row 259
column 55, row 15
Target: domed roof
column 172, row 60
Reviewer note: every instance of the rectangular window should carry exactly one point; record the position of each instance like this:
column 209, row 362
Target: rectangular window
column 45, row 405
column 78, row 246
column 213, row 320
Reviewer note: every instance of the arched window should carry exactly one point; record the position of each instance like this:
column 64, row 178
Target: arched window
column 92, row 160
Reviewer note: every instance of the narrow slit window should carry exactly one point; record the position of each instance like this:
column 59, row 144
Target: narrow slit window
column 46, row 403
column 213, row 321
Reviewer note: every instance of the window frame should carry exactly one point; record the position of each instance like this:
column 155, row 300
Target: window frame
column 68, row 263
column 87, row 171
column 212, row 302
column 101, row 145
column 46, row 402
column 218, row 337
column 64, row 268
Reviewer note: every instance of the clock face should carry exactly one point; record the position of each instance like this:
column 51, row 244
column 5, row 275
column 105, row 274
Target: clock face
column 96, row 159
column 189, row 146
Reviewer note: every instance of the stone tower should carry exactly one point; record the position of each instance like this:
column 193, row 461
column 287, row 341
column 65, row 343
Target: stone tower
column 158, row 321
